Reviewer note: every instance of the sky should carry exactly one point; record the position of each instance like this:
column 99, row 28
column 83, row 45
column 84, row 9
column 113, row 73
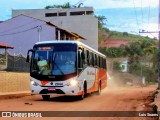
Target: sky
column 122, row 15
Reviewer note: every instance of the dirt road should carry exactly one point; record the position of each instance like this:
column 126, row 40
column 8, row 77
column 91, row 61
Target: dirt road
column 112, row 98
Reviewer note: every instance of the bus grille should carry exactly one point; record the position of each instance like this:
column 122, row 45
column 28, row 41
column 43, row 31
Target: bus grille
column 57, row 91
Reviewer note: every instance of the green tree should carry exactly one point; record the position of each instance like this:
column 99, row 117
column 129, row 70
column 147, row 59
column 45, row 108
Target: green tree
column 113, row 52
column 154, row 58
column 134, row 50
column 66, row 5
column 148, row 46
column 101, row 21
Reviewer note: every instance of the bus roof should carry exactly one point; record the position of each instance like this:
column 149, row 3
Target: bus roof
column 66, row 41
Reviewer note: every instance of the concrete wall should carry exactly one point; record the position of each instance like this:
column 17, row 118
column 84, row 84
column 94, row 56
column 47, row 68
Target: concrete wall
column 14, row 82
column 21, row 32
column 85, row 25
column 82, row 26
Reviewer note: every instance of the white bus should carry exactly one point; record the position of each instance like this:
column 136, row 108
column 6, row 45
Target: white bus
column 66, row 67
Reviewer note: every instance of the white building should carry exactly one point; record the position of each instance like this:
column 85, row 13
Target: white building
column 124, row 66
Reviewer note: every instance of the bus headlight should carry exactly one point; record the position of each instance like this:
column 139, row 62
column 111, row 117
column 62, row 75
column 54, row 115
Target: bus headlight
column 34, row 83
column 73, row 82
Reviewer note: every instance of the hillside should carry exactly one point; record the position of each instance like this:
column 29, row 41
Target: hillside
column 106, row 35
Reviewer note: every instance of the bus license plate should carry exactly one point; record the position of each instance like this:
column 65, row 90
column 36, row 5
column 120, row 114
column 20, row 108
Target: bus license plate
column 51, row 89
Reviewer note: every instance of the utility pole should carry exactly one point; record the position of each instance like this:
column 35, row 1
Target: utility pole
column 39, row 29
column 159, row 47
column 143, row 31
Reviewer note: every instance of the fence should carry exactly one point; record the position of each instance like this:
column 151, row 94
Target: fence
column 13, row 63
column 14, row 73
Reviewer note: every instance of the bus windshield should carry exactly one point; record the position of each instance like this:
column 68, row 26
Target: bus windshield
column 55, row 59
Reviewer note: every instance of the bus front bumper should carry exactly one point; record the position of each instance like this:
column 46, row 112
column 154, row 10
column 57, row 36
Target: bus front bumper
column 66, row 90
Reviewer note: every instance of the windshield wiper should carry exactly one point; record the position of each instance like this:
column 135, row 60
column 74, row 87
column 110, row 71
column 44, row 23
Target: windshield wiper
column 54, row 63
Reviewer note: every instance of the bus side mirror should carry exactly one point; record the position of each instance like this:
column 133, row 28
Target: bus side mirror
column 83, row 56
column 28, row 58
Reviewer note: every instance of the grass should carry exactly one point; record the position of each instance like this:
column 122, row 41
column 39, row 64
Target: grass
column 131, row 37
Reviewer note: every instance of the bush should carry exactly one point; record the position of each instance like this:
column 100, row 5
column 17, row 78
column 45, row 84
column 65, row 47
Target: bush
column 113, row 52
column 150, row 74
column 116, row 66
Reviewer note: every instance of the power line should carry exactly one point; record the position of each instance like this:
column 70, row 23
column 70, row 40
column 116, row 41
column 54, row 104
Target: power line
column 149, row 12
column 141, row 13
column 37, row 19
column 135, row 13
column 19, row 31
column 21, row 25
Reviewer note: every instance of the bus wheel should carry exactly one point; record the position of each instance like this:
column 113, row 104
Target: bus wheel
column 99, row 88
column 84, row 93
column 46, row 97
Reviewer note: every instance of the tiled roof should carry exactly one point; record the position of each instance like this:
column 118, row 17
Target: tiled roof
column 2, row 45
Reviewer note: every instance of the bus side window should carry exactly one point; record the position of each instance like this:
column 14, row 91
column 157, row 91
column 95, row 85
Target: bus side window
column 90, row 58
column 97, row 61
column 80, row 61
column 93, row 59
column 101, row 63
column 83, row 57
column 105, row 67
column 88, row 61
column 84, row 61
column 85, row 53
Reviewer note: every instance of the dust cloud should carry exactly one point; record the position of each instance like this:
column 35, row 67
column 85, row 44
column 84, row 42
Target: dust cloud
column 115, row 82
column 120, row 81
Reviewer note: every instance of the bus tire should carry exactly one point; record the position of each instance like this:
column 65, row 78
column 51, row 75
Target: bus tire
column 84, row 93
column 46, row 97
column 99, row 88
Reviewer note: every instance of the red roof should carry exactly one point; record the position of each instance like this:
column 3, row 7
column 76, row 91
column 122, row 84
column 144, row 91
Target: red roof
column 2, row 45
column 113, row 43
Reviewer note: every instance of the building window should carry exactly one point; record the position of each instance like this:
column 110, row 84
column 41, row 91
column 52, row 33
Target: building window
column 77, row 13
column 56, row 35
column 51, row 14
column 89, row 12
column 62, row 14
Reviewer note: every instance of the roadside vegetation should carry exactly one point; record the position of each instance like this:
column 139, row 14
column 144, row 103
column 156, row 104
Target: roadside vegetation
column 141, row 52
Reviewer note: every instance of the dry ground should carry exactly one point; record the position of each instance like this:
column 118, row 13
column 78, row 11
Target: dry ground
column 114, row 98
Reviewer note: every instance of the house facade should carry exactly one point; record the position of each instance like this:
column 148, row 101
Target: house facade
column 23, row 32
column 79, row 20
